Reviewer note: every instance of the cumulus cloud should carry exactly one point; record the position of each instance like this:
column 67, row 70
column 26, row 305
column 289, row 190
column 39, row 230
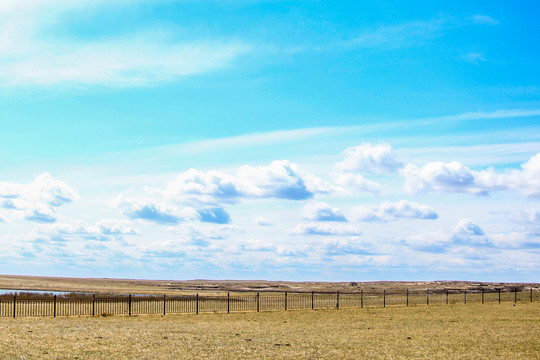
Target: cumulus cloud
column 214, row 215
column 466, row 233
column 35, row 201
column 165, row 213
column 356, row 181
column 262, row 221
column 516, row 240
column 206, row 186
column 528, row 221
column 103, row 230
column 468, row 227
column 148, row 210
column 346, row 246
column 326, row 229
column 456, row 177
column 321, row 211
column 387, row 211
column 369, row 158
column 43, row 215
column 281, row 179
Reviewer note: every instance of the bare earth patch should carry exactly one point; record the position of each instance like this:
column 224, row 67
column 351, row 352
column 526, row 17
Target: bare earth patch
column 490, row 331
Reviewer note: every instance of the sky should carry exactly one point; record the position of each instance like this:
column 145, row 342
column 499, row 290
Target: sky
column 276, row 140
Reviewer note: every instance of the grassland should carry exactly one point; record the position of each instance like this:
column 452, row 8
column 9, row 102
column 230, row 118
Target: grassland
column 175, row 287
column 473, row 331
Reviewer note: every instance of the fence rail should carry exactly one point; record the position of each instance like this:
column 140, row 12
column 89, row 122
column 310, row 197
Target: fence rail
column 94, row 305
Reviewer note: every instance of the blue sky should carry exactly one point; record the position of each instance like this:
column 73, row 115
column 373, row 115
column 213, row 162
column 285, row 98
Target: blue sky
column 279, row 140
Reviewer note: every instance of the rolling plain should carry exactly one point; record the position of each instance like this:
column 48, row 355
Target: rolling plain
column 437, row 331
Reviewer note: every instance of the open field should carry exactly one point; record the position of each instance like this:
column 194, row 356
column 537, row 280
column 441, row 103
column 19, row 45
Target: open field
column 172, row 287
column 473, row 331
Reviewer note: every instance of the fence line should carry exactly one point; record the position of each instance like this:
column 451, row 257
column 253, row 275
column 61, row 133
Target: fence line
column 92, row 305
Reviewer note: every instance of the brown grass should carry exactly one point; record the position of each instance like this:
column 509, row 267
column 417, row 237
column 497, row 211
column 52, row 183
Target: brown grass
column 475, row 331
column 174, row 287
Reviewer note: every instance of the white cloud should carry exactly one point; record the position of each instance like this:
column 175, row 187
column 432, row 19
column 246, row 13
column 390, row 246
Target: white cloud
column 42, row 215
column 257, row 245
column 27, row 57
column 103, row 230
column 205, row 186
column 387, row 211
column 346, row 246
column 148, row 210
column 400, row 35
column 326, row 229
column 468, row 227
column 35, row 201
column 466, row 233
column 262, row 221
column 357, row 182
column 368, row 158
column 484, row 20
column 281, row 179
column 525, row 180
column 455, row 177
column 474, row 57
column 214, row 215
column 516, row 240
column 165, row 213
column 321, row 211
column 529, row 221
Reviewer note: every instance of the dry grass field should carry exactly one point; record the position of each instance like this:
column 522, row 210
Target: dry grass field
column 175, row 287
column 473, row 331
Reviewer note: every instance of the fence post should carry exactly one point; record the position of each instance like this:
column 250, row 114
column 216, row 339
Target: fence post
column 515, row 296
column 482, row 296
column 531, row 294
column 54, row 307
column 285, row 301
column 465, row 296
column 361, row 298
column 14, row 305
column 384, row 298
column 258, row 302
column 407, row 297
column 197, row 304
column 446, row 296
column 129, row 305
column 164, row 303
column 427, row 296
column 93, row 304
column 228, row 302
column 337, row 300
column 312, row 304
column 499, row 296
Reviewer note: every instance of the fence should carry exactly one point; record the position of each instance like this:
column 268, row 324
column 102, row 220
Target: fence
column 93, row 305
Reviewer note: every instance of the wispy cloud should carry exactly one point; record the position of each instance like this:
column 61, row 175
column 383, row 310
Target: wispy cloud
column 28, row 58
column 400, row 35
column 484, row 20
column 474, row 57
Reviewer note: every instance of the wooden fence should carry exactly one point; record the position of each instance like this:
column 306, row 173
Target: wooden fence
column 23, row 305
